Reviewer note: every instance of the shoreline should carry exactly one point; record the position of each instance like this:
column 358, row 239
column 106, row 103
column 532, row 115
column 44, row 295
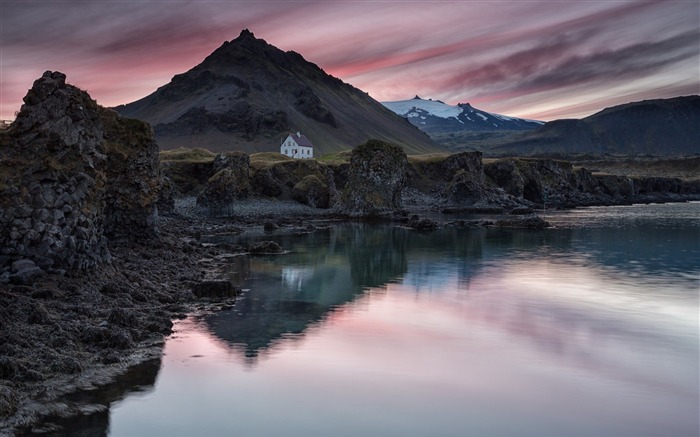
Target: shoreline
column 67, row 334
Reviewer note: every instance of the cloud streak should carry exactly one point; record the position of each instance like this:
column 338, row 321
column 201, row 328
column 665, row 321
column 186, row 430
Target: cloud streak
column 536, row 59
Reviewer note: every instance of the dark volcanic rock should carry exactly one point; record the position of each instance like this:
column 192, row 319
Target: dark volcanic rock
column 133, row 177
column 312, row 191
column 71, row 174
column 231, row 181
column 377, row 176
column 52, row 194
column 304, row 180
column 526, row 222
column 422, row 224
column 265, row 248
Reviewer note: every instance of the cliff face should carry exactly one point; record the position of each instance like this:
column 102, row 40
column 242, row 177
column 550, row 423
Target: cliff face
column 71, row 174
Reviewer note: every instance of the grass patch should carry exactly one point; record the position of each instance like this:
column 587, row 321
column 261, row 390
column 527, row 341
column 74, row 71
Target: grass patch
column 266, row 159
column 336, row 158
column 428, row 158
column 184, row 154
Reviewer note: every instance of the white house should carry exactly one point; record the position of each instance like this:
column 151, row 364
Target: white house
column 297, row 146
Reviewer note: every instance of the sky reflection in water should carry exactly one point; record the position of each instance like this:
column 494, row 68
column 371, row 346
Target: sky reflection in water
column 583, row 330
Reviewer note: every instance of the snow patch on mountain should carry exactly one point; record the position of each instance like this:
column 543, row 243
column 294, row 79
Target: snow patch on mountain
column 406, row 108
column 434, row 116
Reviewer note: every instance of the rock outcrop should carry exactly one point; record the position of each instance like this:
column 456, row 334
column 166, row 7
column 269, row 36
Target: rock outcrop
column 53, row 179
column 133, row 177
column 71, row 174
column 231, row 181
column 560, row 184
column 305, row 180
column 377, row 177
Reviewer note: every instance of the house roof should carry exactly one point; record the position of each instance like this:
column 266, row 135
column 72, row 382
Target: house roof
column 301, row 140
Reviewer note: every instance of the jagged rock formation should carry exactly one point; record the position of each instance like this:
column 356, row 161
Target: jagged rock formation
column 371, row 183
column 561, row 184
column 133, row 177
column 248, row 95
column 377, row 177
column 53, row 167
column 307, row 181
column 458, row 177
column 71, row 174
column 231, row 181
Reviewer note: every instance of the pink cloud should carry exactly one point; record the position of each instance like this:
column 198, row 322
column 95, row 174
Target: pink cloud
column 518, row 57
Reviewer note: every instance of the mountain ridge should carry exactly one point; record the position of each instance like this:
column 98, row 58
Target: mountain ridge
column 437, row 117
column 247, row 95
column 661, row 127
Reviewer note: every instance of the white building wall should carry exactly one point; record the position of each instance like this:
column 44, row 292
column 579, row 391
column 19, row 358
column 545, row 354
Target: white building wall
column 289, row 146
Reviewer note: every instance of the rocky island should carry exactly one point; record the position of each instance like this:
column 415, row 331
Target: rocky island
column 102, row 238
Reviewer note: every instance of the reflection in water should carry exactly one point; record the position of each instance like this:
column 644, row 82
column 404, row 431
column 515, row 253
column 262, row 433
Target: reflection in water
column 300, row 288
column 139, row 379
column 581, row 330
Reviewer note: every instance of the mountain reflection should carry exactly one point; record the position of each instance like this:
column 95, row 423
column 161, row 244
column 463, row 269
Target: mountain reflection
column 329, row 268
column 324, row 270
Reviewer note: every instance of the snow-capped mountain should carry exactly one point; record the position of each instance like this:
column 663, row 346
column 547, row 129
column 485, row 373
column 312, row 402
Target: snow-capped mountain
column 434, row 116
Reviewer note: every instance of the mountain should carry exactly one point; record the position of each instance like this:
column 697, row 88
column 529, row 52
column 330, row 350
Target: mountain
column 650, row 127
column 436, row 117
column 248, row 95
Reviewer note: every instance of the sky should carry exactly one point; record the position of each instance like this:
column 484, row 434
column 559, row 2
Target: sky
column 541, row 60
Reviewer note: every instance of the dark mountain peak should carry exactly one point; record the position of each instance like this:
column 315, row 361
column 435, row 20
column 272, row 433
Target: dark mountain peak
column 417, row 97
column 247, row 93
column 464, row 105
column 246, row 34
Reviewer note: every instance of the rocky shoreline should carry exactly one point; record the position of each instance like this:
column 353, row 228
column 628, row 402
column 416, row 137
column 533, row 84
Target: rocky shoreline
column 68, row 333
column 104, row 241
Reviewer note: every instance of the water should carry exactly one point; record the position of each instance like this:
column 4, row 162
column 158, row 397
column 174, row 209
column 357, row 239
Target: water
column 588, row 329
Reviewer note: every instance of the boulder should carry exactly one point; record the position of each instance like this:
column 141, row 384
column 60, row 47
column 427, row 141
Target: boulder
column 376, row 179
column 230, row 182
column 422, row 224
column 312, row 191
column 265, row 248
column 524, row 222
column 26, row 276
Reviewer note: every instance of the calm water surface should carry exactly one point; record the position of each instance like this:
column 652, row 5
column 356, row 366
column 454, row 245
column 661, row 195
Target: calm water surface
column 588, row 329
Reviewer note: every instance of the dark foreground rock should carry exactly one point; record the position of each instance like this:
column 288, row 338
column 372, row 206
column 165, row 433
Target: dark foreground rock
column 377, row 177
column 66, row 333
column 72, row 175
